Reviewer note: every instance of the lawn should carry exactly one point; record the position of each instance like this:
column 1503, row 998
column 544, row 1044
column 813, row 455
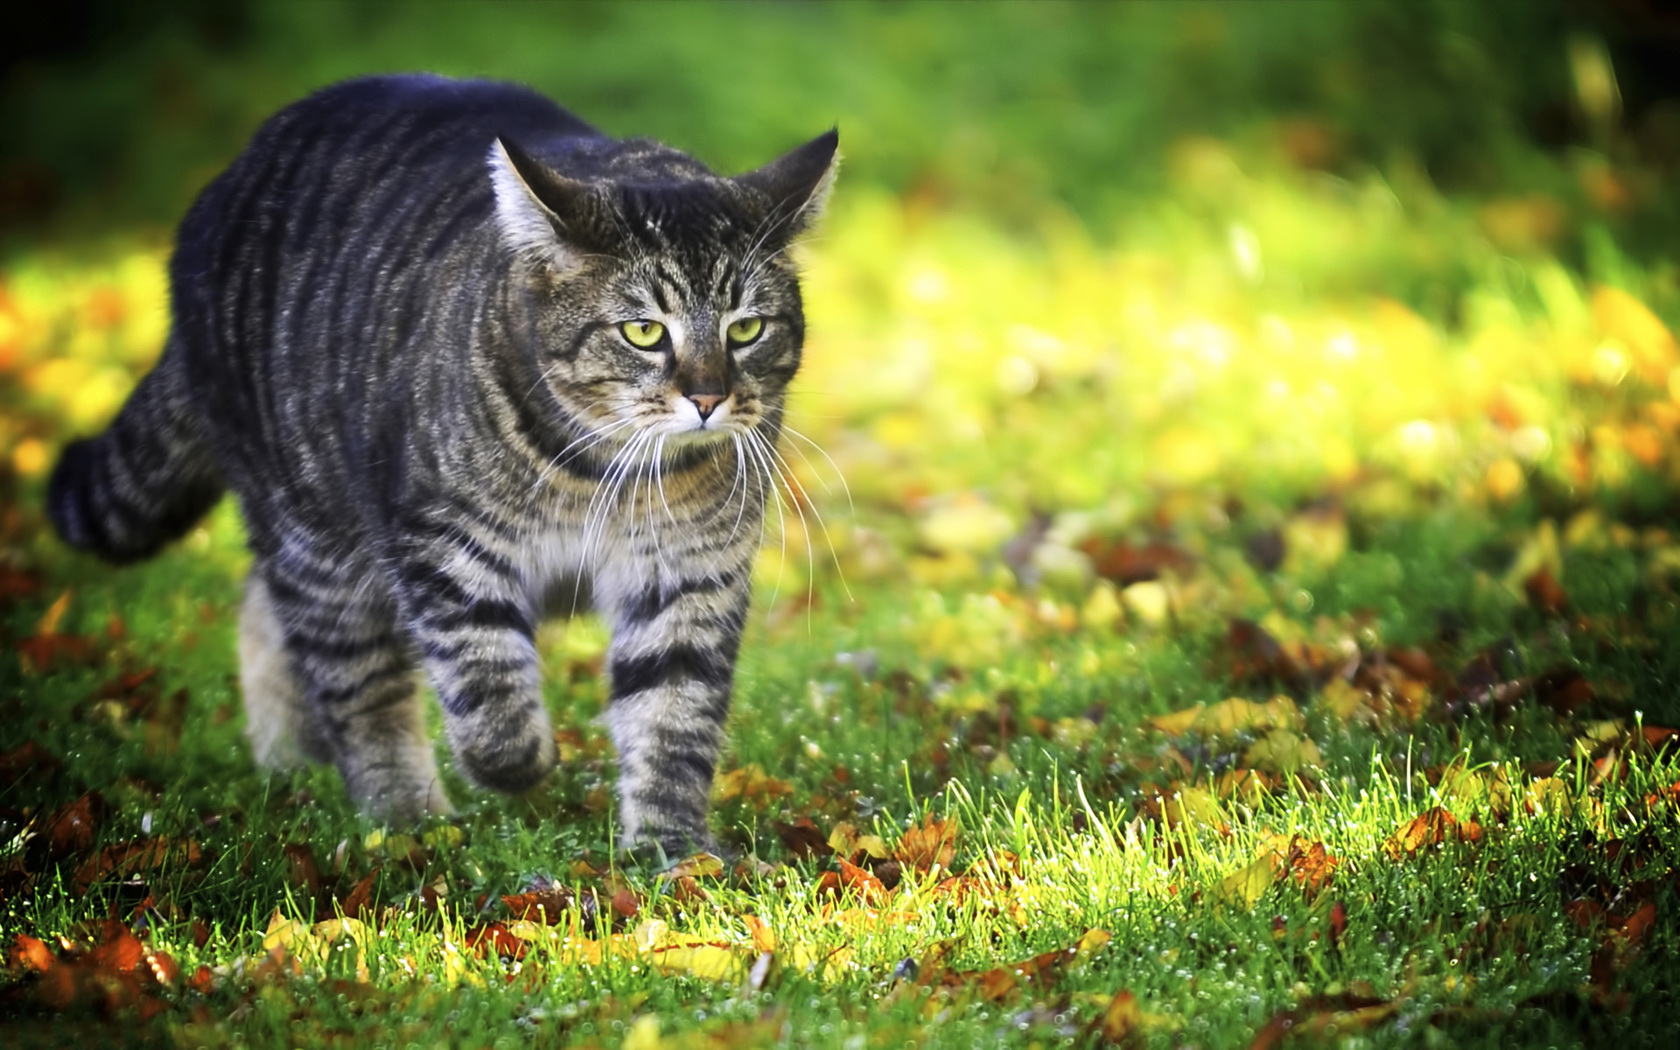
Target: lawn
column 1225, row 589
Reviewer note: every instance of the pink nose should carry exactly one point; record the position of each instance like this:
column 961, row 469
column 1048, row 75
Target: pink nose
column 706, row 403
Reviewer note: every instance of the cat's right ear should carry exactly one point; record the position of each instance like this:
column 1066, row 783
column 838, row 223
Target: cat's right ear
column 543, row 215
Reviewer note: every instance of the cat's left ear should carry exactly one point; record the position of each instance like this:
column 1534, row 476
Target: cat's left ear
column 798, row 183
column 542, row 214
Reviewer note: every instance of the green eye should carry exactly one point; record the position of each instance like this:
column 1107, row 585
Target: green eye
column 644, row 335
column 745, row 330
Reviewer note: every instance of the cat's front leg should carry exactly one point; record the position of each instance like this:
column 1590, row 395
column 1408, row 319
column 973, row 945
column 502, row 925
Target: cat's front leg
column 472, row 620
column 672, row 664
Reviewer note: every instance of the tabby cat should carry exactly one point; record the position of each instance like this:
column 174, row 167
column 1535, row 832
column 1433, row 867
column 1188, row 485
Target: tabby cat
column 457, row 352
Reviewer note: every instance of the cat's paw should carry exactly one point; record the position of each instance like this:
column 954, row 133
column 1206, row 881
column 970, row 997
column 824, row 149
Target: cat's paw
column 666, row 851
column 510, row 765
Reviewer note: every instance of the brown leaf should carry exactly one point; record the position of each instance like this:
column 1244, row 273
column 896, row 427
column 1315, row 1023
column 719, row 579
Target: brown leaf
column 28, row 760
column 138, row 857
column 543, row 906
column 1564, row 690
column 1545, row 593
column 1002, row 982
column 50, row 652
column 75, row 825
column 802, row 838
column 17, row 583
column 360, row 898
column 929, row 843
column 1255, row 656
column 1338, row 924
column 1324, row 1015
column 301, row 870
column 1126, row 563
column 494, row 937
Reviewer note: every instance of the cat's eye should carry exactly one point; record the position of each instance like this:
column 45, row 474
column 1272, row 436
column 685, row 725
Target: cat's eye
column 745, row 330
column 644, row 335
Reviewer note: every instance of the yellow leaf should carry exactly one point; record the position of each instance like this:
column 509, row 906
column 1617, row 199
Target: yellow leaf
column 1148, row 601
column 701, row 865
column 1231, row 716
column 708, row 961
column 54, row 615
column 1179, row 722
column 1283, row 751
column 282, row 932
column 1315, row 541
column 1193, row 805
column 1622, row 317
column 1248, row 885
column 643, row 1034
column 967, row 524
column 1345, row 702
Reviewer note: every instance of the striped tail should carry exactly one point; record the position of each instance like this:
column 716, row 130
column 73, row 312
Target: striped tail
column 142, row 483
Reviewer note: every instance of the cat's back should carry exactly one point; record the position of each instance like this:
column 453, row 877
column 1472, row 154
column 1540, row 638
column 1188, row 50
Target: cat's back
column 456, row 118
column 361, row 151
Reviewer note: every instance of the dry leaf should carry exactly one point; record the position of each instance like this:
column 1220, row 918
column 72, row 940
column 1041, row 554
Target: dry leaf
column 930, row 843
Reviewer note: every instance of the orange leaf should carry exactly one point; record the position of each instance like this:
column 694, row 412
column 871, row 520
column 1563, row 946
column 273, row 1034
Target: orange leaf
column 1430, row 829
column 494, row 938
column 763, row 937
column 30, row 954
column 1633, row 930
column 119, row 951
column 1311, row 865
column 1121, row 1018
column 544, row 906
column 862, row 882
column 929, row 843
column 360, row 897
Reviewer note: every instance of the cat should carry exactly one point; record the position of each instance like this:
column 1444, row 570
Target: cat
column 454, row 351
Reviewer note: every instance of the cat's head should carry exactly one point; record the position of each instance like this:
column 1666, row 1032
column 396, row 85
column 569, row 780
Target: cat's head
column 661, row 296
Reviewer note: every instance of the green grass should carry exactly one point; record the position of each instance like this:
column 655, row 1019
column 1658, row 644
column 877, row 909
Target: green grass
column 1370, row 405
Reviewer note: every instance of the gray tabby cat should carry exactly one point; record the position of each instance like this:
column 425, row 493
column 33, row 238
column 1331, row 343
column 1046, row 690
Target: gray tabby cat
column 455, row 352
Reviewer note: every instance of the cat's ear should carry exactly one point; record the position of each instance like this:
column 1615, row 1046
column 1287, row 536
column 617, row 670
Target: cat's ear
column 542, row 214
column 798, row 183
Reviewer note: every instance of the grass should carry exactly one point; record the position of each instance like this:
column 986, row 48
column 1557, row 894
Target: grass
column 1248, row 618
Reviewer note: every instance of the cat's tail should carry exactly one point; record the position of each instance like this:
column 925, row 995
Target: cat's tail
column 146, row 480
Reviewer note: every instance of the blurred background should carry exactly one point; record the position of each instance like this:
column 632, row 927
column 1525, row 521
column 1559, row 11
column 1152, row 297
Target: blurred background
column 1090, row 266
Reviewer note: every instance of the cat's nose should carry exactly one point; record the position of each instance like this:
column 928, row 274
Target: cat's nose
column 706, row 403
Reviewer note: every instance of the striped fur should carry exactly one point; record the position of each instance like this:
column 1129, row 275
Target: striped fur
column 397, row 340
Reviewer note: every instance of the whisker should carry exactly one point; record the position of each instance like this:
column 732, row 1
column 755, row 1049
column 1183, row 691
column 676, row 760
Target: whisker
column 851, row 506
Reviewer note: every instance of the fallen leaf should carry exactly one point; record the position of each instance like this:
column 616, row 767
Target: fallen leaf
column 494, row 937
column 861, row 881
column 802, row 838
column 930, row 843
column 1431, row 828
column 359, row 900
column 29, row 954
column 1235, row 715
